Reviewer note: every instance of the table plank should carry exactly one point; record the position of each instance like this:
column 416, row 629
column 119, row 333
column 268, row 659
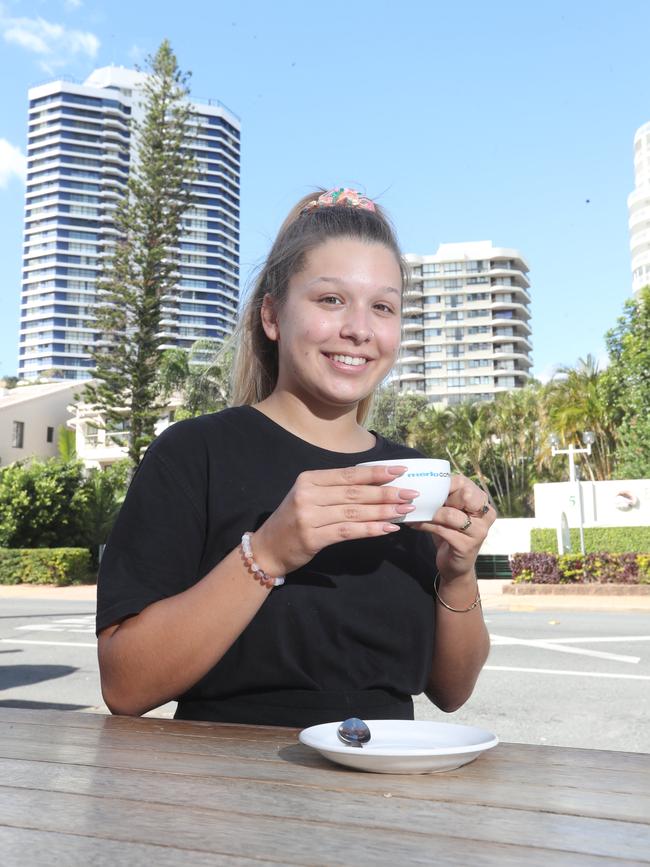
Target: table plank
column 293, row 841
column 457, row 787
column 513, row 826
column 494, row 765
column 21, row 846
column 528, row 753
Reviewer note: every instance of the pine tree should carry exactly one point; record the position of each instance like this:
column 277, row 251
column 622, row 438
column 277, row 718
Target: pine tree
column 143, row 266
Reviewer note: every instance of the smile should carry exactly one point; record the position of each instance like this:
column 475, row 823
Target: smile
column 349, row 360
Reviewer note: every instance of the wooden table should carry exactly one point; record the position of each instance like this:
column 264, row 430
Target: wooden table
column 82, row 789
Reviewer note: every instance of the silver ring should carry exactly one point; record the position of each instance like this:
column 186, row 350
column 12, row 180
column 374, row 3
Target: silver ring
column 486, row 508
column 466, row 525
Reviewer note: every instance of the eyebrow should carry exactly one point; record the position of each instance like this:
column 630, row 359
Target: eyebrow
column 342, row 282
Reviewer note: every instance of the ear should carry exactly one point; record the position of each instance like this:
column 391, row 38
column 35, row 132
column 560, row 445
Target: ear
column 269, row 318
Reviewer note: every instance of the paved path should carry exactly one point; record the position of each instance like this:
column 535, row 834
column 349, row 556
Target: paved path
column 491, row 594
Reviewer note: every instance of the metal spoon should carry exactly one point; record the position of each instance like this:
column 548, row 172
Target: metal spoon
column 353, row 732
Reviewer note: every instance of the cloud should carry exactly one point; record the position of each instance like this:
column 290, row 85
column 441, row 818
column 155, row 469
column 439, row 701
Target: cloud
column 54, row 44
column 13, row 163
column 72, row 4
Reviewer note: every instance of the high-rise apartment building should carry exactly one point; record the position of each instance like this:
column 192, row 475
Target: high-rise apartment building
column 78, row 158
column 466, row 332
column 638, row 206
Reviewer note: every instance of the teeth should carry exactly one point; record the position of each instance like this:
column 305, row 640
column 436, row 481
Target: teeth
column 348, row 359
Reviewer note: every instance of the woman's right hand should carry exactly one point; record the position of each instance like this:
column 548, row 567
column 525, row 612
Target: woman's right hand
column 328, row 506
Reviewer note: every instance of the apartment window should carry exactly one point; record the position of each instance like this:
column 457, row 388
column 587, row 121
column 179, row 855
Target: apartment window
column 50, row 434
column 18, row 434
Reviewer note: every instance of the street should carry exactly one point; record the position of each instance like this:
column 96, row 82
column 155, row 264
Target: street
column 579, row 679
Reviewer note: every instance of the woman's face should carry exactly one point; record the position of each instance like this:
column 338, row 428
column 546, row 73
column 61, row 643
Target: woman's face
column 338, row 332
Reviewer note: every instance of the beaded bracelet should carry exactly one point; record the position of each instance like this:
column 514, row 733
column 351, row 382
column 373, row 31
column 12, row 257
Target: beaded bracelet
column 263, row 577
column 476, row 602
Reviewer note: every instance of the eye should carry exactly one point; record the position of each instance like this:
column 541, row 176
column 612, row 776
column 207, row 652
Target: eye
column 330, row 299
column 385, row 308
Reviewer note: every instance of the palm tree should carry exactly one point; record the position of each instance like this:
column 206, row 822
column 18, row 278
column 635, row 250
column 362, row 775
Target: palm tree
column 67, row 444
column 200, row 375
column 577, row 401
column 513, row 423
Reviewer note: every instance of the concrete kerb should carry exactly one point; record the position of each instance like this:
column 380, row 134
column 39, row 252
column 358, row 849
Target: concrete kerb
column 492, row 596
column 84, row 592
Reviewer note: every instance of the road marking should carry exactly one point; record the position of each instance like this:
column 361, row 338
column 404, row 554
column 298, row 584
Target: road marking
column 551, row 644
column 567, row 672
column 89, row 618
column 46, row 643
column 598, row 638
column 43, row 627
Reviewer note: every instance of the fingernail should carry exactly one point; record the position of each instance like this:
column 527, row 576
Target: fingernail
column 409, row 495
column 390, row 528
column 396, row 471
column 404, row 510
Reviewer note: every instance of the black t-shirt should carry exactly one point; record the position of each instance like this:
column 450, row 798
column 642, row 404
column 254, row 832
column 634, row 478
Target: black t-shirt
column 348, row 634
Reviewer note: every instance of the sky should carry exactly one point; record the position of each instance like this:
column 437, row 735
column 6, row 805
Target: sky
column 506, row 121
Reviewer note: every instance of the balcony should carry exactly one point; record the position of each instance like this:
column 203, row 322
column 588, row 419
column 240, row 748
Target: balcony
column 411, row 377
column 411, row 309
column 410, row 362
column 411, row 347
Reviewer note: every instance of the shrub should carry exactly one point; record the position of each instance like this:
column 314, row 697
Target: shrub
column 613, row 539
column 40, row 504
column 601, row 568
column 60, row 566
column 50, row 504
column 540, row 568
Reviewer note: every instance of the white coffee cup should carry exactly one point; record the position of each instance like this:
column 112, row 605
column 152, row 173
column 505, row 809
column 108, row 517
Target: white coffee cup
column 429, row 476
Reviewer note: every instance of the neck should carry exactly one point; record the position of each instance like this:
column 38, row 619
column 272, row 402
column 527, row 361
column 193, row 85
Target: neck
column 334, row 428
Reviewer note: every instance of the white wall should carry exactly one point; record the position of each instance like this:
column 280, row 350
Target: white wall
column 599, row 501
column 509, row 536
column 37, row 414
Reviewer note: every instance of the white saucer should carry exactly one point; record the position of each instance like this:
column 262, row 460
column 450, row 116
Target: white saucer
column 403, row 746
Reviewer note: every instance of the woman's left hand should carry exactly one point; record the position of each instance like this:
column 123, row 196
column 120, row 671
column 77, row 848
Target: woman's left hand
column 460, row 527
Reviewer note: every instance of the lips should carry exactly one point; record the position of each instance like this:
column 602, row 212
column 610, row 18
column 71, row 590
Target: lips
column 348, row 360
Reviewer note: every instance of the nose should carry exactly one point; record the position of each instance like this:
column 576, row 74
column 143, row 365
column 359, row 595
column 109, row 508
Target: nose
column 357, row 328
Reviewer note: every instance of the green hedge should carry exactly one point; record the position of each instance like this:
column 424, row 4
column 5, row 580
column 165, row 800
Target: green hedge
column 615, row 540
column 60, row 566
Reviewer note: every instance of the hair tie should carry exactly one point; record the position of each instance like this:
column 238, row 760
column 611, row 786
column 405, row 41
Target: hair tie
column 340, row 196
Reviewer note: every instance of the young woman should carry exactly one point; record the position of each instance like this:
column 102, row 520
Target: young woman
column 191, row 605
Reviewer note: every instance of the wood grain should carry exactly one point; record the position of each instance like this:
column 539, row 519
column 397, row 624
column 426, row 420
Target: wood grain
column 85, row 784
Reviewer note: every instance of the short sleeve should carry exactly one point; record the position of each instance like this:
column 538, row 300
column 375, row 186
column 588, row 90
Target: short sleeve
column 155, row 548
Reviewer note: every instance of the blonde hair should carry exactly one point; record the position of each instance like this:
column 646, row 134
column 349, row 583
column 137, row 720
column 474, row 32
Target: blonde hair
column 254, row 371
